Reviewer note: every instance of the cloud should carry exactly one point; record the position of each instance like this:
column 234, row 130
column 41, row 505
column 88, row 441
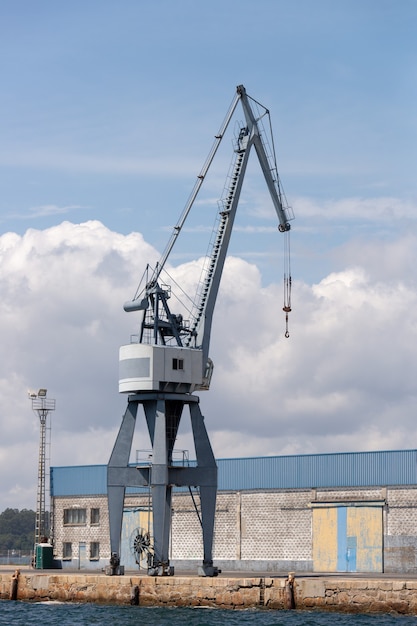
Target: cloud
column 344, row 380
column 51, row 209
column 386, row 259
column 376, row 210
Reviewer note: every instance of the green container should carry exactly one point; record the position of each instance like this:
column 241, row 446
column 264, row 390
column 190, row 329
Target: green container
column 44, row 556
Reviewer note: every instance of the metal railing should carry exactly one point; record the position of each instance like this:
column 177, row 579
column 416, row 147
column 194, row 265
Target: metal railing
column 15, row 557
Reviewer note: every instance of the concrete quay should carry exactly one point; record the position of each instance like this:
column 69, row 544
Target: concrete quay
column 344, row 593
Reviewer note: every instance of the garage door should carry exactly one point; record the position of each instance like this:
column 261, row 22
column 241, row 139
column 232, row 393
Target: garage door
column 347, row 538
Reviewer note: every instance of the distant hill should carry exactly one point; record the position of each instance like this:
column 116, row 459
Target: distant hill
column 17, row 529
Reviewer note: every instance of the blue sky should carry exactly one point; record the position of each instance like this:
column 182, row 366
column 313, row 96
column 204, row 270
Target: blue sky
column 109, row 109
column 107, row 113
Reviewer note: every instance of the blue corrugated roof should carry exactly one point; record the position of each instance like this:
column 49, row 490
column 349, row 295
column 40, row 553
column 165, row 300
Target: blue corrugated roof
column 79, row 480
column 348, row 469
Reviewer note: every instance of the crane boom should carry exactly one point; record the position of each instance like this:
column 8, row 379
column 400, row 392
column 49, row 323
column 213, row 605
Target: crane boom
column 249, row 136
column 200, row 179
column 159, row 325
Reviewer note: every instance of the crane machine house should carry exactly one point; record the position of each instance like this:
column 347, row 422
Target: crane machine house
column 159, row 368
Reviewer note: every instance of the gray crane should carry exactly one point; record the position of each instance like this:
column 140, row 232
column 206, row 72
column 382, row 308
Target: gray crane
column 169, row 360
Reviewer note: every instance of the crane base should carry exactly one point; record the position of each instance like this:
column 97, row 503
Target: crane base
column 119, row 570
column 161, row 570
column 209, row 571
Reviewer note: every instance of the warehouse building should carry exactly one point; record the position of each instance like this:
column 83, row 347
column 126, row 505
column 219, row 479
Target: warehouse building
column 345, row 512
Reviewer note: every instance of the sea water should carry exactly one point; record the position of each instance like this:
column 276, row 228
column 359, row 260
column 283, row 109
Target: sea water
column 63, row 614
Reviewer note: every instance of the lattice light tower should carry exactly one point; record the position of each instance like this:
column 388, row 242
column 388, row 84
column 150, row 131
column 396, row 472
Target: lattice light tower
column 42, row 406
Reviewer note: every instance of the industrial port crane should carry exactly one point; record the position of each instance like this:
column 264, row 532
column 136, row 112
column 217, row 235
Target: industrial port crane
column 169, row 360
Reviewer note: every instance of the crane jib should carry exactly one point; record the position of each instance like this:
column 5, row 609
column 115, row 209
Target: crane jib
column 159, row 326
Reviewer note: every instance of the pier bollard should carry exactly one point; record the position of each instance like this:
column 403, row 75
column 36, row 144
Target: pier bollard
column 289, row 591
column 134, row 595
column 14, row 585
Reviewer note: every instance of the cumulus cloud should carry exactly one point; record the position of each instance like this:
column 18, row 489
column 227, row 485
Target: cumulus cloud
column 61, row 326
column 344, row 380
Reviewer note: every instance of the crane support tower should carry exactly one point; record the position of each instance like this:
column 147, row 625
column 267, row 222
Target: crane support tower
column 169, row 360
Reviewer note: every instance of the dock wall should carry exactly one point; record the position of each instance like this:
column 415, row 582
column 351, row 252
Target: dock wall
column 329, row 594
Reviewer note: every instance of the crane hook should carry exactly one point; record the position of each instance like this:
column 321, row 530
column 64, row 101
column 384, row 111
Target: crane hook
column 287, row 310
column 287, row 281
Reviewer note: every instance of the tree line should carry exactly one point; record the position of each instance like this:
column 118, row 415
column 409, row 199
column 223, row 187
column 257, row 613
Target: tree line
column 17, row 529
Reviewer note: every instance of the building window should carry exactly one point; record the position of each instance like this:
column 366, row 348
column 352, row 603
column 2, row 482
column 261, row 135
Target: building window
column 75, row 516
column 95, row 517
column 177, row 364
column 94, row 551
column 67, row 551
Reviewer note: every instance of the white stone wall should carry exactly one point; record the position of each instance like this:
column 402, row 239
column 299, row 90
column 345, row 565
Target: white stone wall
column 349, row 493
column 76, row 534
column 276, row 525
column 254, row 526
column 186, row 541
column 226, row 543
column 402, row 511
column 400, row 549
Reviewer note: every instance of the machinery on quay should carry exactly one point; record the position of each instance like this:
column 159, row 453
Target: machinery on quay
column 169, row 359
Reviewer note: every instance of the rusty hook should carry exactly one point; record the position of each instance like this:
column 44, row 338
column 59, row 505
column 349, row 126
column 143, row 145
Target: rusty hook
column 287, row 334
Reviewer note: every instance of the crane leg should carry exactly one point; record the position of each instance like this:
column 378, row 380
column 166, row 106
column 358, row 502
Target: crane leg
column 116, row 481
column 161, row 489
column 161, row 507
column 163, row 416
column 208, row 491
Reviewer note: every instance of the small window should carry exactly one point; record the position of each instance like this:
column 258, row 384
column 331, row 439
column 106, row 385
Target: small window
column 95, row 517
column 75, row 516
column 94, row 551
column 67, row 551
column 177, row 364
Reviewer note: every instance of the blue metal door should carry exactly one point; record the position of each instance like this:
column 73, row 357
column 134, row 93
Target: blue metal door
column 351, row 547
column 82, row 555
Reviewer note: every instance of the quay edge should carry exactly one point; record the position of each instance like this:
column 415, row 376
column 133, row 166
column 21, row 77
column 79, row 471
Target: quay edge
column 315, row 592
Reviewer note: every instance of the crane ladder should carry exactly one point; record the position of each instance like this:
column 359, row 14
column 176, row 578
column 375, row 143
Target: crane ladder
column 215, row 245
